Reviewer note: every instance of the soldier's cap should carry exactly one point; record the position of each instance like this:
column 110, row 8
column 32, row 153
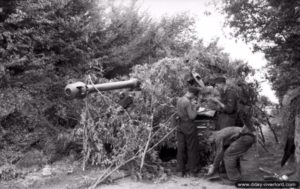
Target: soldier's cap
column 220, row 79
column 194, row 90
column 189, row 78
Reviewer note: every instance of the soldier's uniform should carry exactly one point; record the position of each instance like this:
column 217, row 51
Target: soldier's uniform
column 187, row 149
column 227, row 116
column 247, row 98
column 231, row 143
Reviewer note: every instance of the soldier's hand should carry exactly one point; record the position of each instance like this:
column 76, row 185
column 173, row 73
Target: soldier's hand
column 195, row 104
column 211, row 170
column 216, row 100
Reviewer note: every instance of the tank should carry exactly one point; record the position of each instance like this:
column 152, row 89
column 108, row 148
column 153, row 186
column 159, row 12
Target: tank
column 80, row 90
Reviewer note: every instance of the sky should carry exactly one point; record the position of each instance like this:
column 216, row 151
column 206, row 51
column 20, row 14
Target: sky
column 210, row 27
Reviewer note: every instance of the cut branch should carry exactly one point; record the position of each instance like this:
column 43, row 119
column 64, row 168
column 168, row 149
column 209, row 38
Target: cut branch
column 269, row 123
column 261, row 133
column 105, row 176
column 147, row 144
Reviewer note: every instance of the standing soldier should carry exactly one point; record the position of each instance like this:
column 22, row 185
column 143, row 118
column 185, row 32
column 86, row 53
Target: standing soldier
column 227, row 113
column 187, row 149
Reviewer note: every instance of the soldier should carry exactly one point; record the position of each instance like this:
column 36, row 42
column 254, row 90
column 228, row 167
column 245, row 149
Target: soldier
column 231, row 144
column 187, row 149
column 227, row 113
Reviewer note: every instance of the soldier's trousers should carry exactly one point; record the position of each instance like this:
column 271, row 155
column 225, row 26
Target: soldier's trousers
column 233, row 154
column 187, row 152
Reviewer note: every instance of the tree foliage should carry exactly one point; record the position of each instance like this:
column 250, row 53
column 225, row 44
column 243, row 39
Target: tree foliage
column 46, row 44
column 273, row 27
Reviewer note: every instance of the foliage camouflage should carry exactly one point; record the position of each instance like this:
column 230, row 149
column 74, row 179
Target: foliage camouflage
column 150, row 118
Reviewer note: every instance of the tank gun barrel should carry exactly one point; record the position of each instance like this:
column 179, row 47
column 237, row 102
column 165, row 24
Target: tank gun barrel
column 81, row 90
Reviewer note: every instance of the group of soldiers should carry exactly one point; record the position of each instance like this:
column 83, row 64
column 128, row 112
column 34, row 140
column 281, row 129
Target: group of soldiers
column 229, row 141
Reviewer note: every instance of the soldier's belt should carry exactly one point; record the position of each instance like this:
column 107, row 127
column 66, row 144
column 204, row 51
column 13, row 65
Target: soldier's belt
column 241, row 135
column 245, row 134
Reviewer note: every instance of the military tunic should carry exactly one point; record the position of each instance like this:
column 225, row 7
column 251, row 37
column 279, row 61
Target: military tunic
column 227, row 116
column 188, row 145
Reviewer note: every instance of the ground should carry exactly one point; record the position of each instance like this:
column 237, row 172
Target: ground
column 69, row 175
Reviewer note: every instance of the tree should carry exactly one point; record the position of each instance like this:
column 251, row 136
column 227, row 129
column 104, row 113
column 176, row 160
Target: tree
column 139, row 40
column 45, row 46
column 272, row 26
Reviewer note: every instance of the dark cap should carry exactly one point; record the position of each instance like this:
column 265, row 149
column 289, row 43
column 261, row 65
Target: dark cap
column 220, row 80
column 194, row 90
column 189, row 78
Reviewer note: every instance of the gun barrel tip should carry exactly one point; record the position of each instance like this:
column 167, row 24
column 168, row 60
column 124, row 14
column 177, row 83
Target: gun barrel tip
column 68, row 92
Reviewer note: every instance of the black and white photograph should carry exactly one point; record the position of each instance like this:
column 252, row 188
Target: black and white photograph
column 151, row 94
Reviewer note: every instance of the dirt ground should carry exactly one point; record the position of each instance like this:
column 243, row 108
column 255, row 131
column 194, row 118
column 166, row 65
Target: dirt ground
column 66, row 175
column 174, row 182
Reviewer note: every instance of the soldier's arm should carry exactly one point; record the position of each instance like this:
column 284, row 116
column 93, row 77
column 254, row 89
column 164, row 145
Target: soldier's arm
column 230, row 106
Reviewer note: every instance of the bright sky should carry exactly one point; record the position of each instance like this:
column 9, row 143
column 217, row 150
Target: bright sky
column 210, row 27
